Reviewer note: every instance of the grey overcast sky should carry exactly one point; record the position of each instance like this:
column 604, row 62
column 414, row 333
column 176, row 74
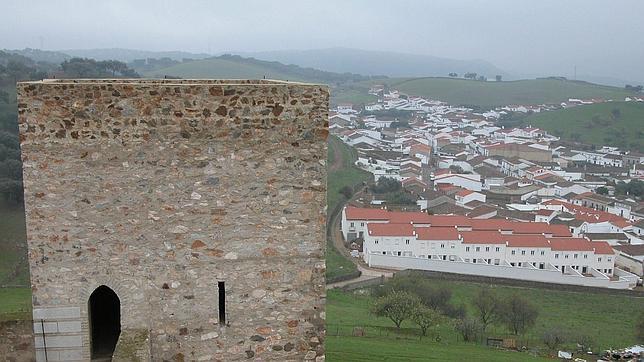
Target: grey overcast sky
column 602, row 38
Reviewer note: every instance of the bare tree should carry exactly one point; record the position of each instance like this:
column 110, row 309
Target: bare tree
column 519, row 314
column 425, row 317
column 469, row 328
column 553, row 338
column 488, row 307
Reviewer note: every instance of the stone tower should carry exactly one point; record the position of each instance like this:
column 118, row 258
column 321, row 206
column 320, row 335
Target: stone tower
column 175, row 219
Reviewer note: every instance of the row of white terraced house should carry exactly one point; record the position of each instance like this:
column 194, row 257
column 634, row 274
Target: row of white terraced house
column 488, row 247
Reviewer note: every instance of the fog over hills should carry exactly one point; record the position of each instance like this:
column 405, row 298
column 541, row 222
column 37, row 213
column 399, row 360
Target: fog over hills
column 128, row 55
column 370, row 62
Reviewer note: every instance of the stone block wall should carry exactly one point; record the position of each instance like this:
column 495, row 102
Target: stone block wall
column 158, row 189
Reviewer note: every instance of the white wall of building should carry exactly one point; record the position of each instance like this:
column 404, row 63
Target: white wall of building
column 626, row 281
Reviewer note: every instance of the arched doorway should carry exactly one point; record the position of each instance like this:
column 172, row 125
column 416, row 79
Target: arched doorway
column 104, row 311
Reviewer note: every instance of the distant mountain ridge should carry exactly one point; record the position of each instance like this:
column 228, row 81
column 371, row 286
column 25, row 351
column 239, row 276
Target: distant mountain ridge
column 370, row 62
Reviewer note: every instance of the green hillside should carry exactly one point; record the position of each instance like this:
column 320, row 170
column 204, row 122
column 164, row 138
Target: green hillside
column 492, row 94
column 618, row 124
column 219, row 68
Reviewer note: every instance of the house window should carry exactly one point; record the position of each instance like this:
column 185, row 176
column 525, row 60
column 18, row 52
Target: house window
column 467, row 248
column 599, row 259
column 352, row 225
column 452, row 246
column 566, row 256
column 376, row 242
column 498, row 249
column 222, row 303
column 531, row 252
column 497, row 261
column 467, row 260
column 399, row 253
column 442, row 245
column 610, row 271
column 361, row 224
column 478, row 248
column 384, row 253
column 585, row 256
column 487, row 248
column 407, row 241
column 514, row 252
column 522, row 252
column 609, row 259
column 429, row 256
column 575, row 256
column 556, row 256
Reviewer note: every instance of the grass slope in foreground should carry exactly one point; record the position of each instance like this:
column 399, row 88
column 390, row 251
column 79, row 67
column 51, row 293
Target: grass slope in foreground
column 384, row 343
column 341, row 172
column 608, row 319
column 618, row 124
column 14, row 270
column 492, row 94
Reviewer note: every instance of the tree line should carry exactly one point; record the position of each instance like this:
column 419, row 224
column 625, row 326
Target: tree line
column 402, row 298
column 417, row 300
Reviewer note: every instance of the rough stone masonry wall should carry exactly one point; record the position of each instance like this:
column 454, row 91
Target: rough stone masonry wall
column 159, row 189
column 16, row 341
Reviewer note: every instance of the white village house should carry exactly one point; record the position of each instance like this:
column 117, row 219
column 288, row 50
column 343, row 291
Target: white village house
column 489, row 247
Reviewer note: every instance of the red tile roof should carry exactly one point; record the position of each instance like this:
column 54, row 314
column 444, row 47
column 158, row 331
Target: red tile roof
column 589, row 215
column 359, row 213
column 437, row 233
column 559, row 230
column 464, row 193
column 377, row 229
column 482, row 237
column 570, row 244
column 416, row 217
column 449, row 220
column 527, row 241
column 491, row 224
column 602, row 247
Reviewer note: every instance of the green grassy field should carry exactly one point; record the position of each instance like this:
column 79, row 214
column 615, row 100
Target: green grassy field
column 342, row 172
column 347, row 348
column 219, row 68
column 492, row 94
column 603, row 316
column 382, row 342
column 15, row 303
column 13, row 248
column 618, row 124
column 357, row 95
column 347, row 174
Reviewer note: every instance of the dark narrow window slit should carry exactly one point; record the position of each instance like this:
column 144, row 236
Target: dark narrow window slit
column 222, row 303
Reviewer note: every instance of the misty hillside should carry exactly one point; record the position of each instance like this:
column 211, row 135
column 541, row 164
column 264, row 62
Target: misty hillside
column 128, row 55
column 234, row 66
column 38, row 55
column 492, row 94
column 370, row 62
